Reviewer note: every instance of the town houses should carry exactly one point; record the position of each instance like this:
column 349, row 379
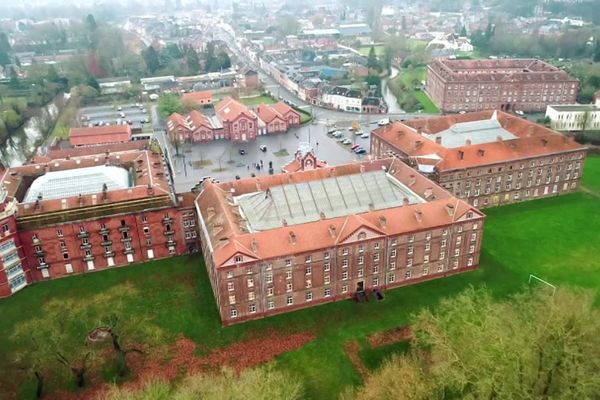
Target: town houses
column 232, row 121
column 486, row 158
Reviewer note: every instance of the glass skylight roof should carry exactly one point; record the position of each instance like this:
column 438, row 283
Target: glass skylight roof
column 72, row 182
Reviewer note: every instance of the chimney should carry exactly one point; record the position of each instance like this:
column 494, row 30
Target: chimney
column 254, row 246
column 150, row 189
column 405, row 201
column 468, row 142
column 461, row 155
column 38, row 206
column 481, row 152
column 382, row 222
column 332, row 231
column 268, row 193
column 371, row 207
column 104, row 191
column 80, row 200
column 362, row 168
column 292, row 238
column 438, row 139
column 419, row 215
column 499, row 138
column 544, row 142
column 63, row 204
column 284, row 222
column 322, row 215
column 418, row 144
column 450, row 209
column 411, row 180
column 94, row 199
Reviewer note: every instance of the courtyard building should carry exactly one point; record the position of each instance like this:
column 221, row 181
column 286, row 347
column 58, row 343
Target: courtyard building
column 574, row 117
column 88, row 212
column 486, row 158
column 288, row 241
column 100, row 135
column 505, row 84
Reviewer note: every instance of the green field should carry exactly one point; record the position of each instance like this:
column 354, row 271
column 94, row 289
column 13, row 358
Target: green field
column 379, row 50
column 255, row 101
column 556, row 239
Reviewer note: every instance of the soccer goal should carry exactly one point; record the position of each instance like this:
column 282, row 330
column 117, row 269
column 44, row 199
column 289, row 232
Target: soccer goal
column 535, row 280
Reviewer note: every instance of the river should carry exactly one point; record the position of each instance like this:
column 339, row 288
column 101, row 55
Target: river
column 388, row 96
column 20, row 146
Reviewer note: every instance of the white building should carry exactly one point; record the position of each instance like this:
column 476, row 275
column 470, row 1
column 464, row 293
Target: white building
column 451, row 42
column 576, row 117
column 343, row 99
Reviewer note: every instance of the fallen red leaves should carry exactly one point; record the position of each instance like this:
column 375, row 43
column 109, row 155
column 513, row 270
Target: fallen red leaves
column 239, row 356
column 395, row 335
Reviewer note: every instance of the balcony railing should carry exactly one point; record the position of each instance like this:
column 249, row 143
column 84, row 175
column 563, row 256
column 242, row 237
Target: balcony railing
column 83, row 234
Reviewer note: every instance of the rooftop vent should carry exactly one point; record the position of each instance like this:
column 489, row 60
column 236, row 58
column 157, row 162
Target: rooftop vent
column 292, row 238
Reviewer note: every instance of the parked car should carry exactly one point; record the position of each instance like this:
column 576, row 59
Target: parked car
column 383, row 121
column 346, row 141
column 331, row 131
column 337, row 134
column 364, row 135
column 356, row 146
column 361, row 151
column 263, row 148
column 358, row 132
column 119, row 108
column 242, row 152
column 144, row 111
column 122, row 114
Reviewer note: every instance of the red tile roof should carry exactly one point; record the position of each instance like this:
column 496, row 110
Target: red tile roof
column 202, row 97
column 417, row 138
column 100, row 135
column 268, row 114
column 229, row 234
column 283, row 108
column 229, row 110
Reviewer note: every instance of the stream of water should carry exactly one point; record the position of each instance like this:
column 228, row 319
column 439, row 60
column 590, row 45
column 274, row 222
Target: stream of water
column 388, row 96
column 22, row 144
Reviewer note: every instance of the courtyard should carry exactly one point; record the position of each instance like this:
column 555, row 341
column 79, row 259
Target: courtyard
column 555, row 239
column 223, row 160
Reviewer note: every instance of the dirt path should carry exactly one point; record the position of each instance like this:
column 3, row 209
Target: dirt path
column 352, row 349
column 391, row 336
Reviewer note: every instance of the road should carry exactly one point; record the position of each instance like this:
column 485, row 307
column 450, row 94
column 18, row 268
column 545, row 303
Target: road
column 321, row 114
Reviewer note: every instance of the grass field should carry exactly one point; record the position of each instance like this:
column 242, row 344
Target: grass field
column 254, row 101
column 555, row 239
column 428, row 105
column 379, row 50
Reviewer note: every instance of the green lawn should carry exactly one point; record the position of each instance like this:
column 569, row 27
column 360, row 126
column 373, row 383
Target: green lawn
column 379, row 50
column 428, row 105
column 254, row 101
column 591, row 173
column 556, row 239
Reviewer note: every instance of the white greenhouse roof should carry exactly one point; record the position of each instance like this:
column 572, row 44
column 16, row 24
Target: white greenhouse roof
column 72, row 182
column 478, row 132
column 299, row 203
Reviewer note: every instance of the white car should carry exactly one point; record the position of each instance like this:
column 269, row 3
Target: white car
column 365, row 135
column 346, row 141
column 383, row 121
column 358, row 132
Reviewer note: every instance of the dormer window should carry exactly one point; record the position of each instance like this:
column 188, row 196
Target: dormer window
column 238, row 259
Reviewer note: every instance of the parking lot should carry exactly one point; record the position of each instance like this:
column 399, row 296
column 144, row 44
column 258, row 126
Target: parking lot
column 222, row 159
column 136, row 115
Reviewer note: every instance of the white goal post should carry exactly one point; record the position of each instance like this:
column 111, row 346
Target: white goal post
column 538, row 279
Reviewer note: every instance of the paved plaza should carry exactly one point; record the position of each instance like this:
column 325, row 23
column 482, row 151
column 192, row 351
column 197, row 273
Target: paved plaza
column 222, row 159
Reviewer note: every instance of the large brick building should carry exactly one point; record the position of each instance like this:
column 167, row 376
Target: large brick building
column 288, row 241
column 486, row 158
column 88, row 212
column 504, row 84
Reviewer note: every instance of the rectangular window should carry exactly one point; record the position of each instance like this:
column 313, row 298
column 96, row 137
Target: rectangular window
column 394, row 243
column 269, row 278
column 427, row 246
column 251, row 296
column 252, row 308
column 344, row 263
column 411, row 238
column 361, row 260
column 425, row 271
column 250, row 282
column 407, row 274
column 470, row 261
column 307, row 259
column 270, row 291
column 289, row 301
column 410, row 250
column 456, row 252
column 288, row 287
column 393, row 253
column 327, row 292
column 345, row 251
column 344, row 288
column 391, row 278
column 232, row 299
column 288, row 262
column 326, row 255
column 327, row 279
column 426, row 258
column 308, row 270
column 376, row 257
column 327, row 266
column 393, row 265
column 309, row 296
column 471, row 249
column 288, row 274
column 308, row 283
column 375, row 269
column 345, row 275
column 270, row 305
column 361, row 248
column 230, row 286
column 376, row 245
column 229, row 274
column 360, row 272
column 60, row 233
column 375, row 281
